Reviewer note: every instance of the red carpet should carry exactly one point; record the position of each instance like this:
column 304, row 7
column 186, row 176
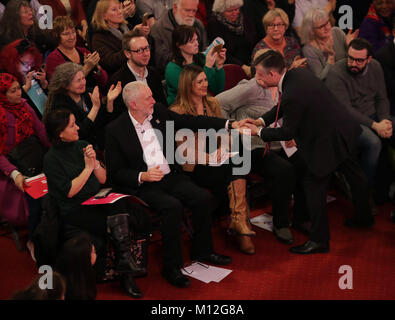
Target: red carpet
column 272, row 273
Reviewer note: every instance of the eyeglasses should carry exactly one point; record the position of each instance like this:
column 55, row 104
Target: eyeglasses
column 357, row 60
column 141, row 50
column 68, row 34
column 232, row 10
column 278, row 25
column 321, row 27
column 26, row 64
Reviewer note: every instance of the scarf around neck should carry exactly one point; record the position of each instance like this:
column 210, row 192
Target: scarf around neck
column 236, row 27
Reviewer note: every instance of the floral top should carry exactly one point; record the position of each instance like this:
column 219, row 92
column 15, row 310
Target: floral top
column 291, row 50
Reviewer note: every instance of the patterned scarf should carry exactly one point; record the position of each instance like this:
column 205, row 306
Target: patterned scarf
column 372, row 14
column 236, row 27
column 23, row 118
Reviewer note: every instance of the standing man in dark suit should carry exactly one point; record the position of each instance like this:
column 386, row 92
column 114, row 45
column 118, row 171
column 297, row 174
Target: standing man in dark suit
column 325, row 134
column 138, row 52
column 137, row 164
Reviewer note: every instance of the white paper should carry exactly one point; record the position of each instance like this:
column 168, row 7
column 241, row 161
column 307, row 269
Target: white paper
column 264, row 221
column 330, row 198
column 288, row 151
column 225, row 155
column 205, row 272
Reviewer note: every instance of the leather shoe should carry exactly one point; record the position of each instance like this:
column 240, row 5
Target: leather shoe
column 303, row 227
column 129, row 285
column 176, row 278
column 311, row 247
column 214, row 258
column 359, row 223
column 283, row 235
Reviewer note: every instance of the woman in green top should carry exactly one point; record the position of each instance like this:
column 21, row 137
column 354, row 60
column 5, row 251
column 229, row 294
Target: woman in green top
column 185, row 51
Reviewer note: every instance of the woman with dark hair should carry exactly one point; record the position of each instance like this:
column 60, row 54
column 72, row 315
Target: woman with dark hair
column 19, row 22
column 192, row 99
column 74, row 175
column 185, row 51
column 65, row 34
column 75, row 263
column 18, row 123
column 68, row 90
column 35, row 292
column 376, row 26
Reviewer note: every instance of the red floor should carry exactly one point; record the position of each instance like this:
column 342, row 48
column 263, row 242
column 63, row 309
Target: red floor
column 272, row 273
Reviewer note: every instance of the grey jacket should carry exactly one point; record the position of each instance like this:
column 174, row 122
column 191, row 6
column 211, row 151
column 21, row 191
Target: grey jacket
column 247, row 100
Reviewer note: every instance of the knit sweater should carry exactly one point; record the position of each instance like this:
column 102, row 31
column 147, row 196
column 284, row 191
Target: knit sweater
column 363, row 95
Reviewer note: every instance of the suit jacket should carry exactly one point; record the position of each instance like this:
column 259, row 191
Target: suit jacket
column 125, row 76
column 324, row 131
column 124, row 154
column 386, row 57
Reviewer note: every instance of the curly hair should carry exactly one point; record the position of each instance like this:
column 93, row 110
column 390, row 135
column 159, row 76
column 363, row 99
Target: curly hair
column 61, row 79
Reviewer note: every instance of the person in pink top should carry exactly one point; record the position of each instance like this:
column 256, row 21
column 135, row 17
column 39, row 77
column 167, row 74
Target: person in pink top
column 65, row 34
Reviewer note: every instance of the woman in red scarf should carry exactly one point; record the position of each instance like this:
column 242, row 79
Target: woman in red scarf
column 18, row 122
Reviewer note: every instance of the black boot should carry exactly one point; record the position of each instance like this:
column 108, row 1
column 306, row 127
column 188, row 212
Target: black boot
column 118, row 226
column 129, row 285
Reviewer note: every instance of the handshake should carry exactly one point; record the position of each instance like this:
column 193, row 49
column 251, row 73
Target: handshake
column 383, row 128
column 248, row 126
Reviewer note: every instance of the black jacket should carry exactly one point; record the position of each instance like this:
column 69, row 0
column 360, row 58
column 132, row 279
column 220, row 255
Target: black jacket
column 124, row 154
column 324, row 131
column 125, row 76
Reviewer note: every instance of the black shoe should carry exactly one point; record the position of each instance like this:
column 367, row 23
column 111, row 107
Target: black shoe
column 303, row 227
column 129, row 285
column 358, row 223
column 214, row 258
column 283, row 235
column 310, row 247
column 176, row 278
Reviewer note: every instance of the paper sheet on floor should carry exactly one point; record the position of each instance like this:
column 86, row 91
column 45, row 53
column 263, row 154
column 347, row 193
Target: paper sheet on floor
column 264, row 221
column 205, row 272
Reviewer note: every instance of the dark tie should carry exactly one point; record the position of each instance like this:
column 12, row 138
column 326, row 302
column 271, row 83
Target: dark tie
column 267, row 148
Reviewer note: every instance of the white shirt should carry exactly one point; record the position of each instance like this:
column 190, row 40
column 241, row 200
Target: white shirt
column 137, row 76
column 152, row 150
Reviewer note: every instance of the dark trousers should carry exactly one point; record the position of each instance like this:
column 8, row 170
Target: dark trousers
column 168, row 198
column 316, row 190
column 284, row 176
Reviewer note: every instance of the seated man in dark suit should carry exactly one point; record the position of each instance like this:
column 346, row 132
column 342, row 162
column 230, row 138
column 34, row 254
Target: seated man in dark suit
column 137, row 50
column 326, row 136
column 137, row 165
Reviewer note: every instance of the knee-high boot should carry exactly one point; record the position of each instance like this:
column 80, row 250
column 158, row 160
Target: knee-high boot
column 239, row 224
column 118, row 227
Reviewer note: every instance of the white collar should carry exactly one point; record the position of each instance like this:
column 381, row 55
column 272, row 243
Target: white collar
column 280, row 83
column 136, row 123
column 136, row 75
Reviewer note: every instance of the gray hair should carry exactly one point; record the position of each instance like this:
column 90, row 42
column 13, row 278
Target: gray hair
column 61, row 79
column 310, row 18
column 131, row 92
column 222, row 5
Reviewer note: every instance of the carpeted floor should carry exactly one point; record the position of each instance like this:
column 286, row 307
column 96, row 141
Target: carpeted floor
column 272, row 273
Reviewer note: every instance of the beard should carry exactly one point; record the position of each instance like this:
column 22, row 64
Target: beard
column 181, row 21
column 355, row 70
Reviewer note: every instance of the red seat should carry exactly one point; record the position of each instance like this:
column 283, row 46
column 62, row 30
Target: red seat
column 233, row 75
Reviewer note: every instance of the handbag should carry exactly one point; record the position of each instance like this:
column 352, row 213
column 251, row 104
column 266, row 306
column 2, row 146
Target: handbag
column 28, row 156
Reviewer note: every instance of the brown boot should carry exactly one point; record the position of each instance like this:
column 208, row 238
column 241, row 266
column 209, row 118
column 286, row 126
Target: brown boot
column 239, row 225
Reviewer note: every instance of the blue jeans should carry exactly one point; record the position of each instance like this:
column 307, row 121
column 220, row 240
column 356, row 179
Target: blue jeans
column 369, row 147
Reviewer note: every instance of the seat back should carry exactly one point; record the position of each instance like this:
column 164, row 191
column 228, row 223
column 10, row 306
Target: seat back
column 233, row 75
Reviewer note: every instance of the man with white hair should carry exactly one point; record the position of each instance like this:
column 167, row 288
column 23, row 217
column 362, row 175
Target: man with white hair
column 183, row 12
column 136, row 164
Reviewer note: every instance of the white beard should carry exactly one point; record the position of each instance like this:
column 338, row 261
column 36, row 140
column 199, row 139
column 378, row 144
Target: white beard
column 181, row 21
